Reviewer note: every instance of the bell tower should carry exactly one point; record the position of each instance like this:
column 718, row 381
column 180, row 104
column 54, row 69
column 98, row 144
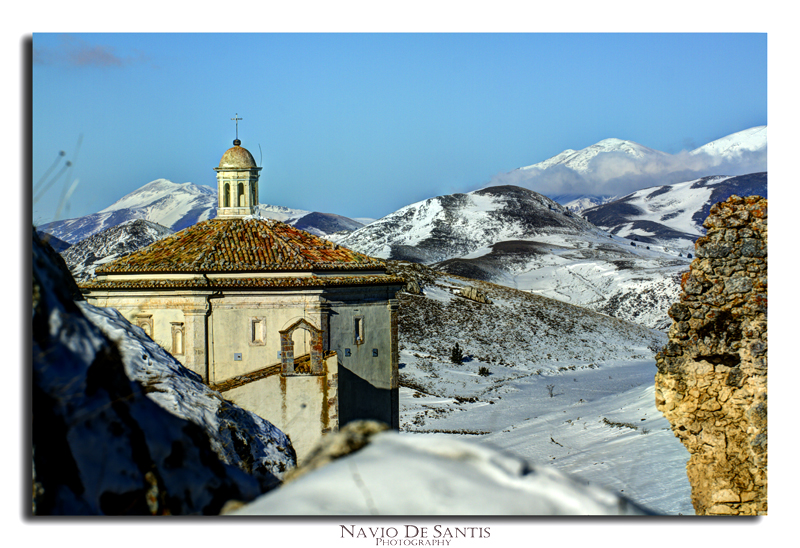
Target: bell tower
column 237, row 181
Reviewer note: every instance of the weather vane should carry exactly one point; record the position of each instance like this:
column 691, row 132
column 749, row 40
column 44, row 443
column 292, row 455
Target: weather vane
column 236, row 119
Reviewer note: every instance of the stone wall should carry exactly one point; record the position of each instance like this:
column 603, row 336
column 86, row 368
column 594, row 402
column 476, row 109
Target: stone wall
column 712, row 375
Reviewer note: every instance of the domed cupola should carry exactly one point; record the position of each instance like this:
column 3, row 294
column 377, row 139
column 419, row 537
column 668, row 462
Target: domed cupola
column 237, row 157
column 237, row 181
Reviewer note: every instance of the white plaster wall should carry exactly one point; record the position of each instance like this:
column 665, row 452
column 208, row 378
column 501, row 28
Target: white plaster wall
column 230, row 333
column 293, row 404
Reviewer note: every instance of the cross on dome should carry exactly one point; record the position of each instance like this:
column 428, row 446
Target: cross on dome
column 236, row 141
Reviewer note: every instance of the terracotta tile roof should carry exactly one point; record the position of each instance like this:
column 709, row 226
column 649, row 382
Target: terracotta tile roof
column 241, row 245
column 283, row 282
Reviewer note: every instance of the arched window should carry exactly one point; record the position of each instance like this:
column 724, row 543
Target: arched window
column 226, row 195
column 240, row 196
column 177, row 339
column 145, row 321
column 292, row 366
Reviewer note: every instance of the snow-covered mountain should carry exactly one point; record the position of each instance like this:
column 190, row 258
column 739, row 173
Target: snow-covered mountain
column 728, row 148
column 580, row 161
column 672, row 215
column 736, row 145
column 455, row 225
column 177, row 206
column 163, row 202
column 612, row 168
column 521, row 239
column 85, row 256
column 442, row 475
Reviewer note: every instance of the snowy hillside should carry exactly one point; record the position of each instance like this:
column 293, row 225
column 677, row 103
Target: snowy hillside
column 600, row 423
column 85, row 256
column 578, row 203
column 177, row 206
column 450, row 226
column 672, row 215
column 521, row 239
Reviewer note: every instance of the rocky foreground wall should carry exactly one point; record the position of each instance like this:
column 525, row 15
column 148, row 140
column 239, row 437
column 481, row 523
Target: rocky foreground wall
column 712, row 375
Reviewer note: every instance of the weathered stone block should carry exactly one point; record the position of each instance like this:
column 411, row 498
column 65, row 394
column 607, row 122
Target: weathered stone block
column 738, row 285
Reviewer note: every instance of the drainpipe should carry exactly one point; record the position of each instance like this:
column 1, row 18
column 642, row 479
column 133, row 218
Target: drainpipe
column 209, row 331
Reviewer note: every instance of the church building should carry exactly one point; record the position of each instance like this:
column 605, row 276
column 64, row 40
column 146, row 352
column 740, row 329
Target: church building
column 283, row 323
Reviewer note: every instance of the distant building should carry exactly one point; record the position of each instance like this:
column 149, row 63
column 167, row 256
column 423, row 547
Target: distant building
column 283, row 323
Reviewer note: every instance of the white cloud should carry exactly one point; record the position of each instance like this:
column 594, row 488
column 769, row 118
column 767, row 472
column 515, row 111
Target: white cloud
column 618, row 174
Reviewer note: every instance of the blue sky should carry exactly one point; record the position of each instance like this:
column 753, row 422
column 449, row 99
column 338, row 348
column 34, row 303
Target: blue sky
column 362, row 124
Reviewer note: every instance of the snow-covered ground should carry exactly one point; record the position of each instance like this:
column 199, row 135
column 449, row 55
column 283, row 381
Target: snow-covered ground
column 600, row 425
column 440, row 475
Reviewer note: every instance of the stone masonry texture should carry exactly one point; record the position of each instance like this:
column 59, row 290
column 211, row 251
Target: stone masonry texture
column 712, row 374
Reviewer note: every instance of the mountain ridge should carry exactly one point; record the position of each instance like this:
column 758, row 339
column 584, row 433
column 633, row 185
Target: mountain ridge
column 178, row 206
column 521, row 239
column 673, row 214
column 580, row 160
column 107, row 245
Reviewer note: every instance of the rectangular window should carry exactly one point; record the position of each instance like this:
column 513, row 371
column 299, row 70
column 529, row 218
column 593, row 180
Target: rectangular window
column 359, row 330
column 258, row 330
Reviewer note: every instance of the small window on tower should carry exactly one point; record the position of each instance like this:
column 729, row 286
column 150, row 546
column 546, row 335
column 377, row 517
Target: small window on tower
column 359, row 330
